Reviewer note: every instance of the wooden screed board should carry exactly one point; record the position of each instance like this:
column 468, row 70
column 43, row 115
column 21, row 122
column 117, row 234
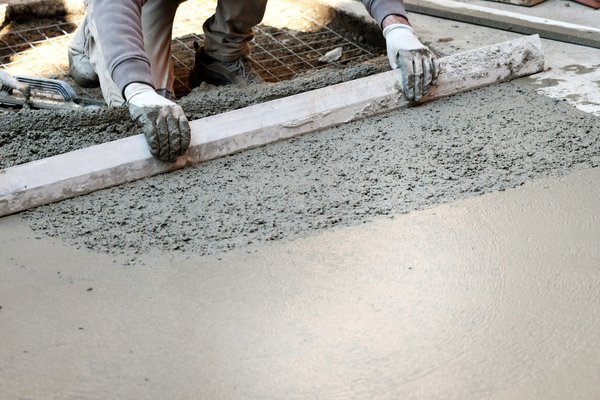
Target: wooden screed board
column 125, row 160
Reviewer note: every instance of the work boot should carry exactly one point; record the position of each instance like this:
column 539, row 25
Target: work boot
column 79, row 63
column 219, row 73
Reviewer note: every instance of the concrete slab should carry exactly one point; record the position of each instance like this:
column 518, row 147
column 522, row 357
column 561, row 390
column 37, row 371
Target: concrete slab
column 559, row 10
column 493, row 297
column 572, row 72
column 507, row 20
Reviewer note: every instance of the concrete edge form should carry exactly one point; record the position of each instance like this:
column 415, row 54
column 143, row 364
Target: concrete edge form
column 505, row 20
column 110, row 164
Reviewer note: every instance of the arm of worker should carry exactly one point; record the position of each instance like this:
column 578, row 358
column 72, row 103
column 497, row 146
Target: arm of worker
column 417, row 65
column 119, row 26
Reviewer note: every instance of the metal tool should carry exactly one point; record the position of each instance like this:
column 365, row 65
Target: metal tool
column 23, row 91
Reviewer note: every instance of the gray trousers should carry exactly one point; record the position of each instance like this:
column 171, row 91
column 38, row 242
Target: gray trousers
column 227, row 34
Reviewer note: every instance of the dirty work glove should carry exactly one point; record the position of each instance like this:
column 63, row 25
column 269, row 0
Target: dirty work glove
column 417, row 64
column 163, row 122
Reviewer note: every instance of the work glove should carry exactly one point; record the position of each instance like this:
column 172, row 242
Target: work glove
column 163, row 122
column 416, row 63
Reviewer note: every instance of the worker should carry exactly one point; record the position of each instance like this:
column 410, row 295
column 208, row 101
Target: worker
column 125, row 46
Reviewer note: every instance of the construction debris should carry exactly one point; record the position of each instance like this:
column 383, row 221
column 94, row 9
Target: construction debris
column 331, row 56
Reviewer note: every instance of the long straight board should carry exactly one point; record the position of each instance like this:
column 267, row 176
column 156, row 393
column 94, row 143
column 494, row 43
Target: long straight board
column 125, row 160
column 506, row 20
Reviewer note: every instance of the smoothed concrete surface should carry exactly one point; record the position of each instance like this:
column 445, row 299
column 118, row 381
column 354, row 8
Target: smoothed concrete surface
column 492, row 297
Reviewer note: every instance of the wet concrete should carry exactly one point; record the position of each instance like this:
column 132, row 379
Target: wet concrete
column 483, row 141
column 30, row 135
column 494, row 297
column 489, row 297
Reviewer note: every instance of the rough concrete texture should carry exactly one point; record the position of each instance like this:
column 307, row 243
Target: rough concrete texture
column 483, row 141
column 30, row 135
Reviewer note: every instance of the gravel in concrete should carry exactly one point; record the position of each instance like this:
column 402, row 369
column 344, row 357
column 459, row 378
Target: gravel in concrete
column 483, row 141
column 29, row 135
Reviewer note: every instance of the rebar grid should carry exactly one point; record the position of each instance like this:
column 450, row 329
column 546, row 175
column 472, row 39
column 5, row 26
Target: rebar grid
column 276, row 54
column 40, row 52
column 17, row 49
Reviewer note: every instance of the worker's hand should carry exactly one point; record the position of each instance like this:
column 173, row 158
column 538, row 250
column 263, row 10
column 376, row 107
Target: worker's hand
column 417, row 64
column 163, row 122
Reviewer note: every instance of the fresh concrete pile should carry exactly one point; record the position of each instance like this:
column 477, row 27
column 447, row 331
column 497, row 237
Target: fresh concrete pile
column 483, row 141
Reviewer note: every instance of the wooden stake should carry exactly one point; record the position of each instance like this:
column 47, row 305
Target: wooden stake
column 114, row 163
